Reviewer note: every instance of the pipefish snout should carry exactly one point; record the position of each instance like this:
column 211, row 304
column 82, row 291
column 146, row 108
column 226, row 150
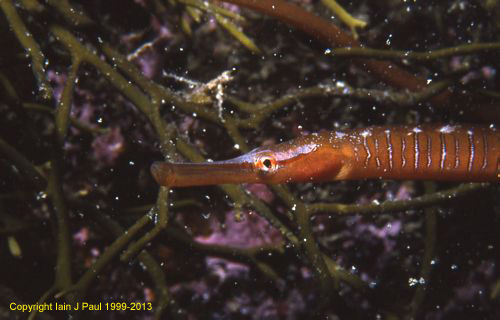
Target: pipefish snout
column 428, row 152
column 164, row 172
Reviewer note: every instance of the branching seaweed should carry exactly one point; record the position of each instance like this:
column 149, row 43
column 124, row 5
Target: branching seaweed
column 30, row 45
column 344, row 16
column 150, row 263
column 223, row 17
column 161, row 221
column 295, row 217
column 261, row 111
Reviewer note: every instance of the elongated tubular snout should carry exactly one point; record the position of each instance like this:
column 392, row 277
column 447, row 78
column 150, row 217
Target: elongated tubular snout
column 201, row 174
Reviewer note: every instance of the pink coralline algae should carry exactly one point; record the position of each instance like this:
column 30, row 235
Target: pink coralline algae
column 251, row 231
column 108, row 147
column 261, row 191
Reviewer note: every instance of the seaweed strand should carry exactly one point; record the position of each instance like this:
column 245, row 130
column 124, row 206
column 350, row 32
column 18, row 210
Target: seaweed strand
column 161, row 221
column 307, row 240
column 24, row 165
column 429, row 251
column 63, row 110
column 63, row 276
column 259, row 112
column 460, row 50
column 399, row 205
column 30, row 45
column 345, row 16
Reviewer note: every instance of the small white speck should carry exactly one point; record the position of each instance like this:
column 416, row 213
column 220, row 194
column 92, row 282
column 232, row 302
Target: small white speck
column 412, row 282
column 447, row 129
column 365, row 133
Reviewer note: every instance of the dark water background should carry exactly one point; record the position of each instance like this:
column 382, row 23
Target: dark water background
column 71, row 185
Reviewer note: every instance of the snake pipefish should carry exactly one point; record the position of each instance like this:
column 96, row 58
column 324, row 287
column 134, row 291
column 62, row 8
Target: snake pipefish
column 428, row 152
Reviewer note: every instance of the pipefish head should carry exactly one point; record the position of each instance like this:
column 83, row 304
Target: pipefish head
column 300, row 160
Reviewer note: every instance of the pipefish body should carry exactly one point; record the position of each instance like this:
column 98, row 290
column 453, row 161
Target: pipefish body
column 427, row 152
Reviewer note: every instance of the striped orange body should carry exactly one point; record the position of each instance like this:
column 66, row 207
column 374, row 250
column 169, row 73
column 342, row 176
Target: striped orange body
column 426, row 152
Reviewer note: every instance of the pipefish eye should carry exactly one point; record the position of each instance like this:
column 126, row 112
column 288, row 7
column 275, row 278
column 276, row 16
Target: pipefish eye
column 265, row 163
